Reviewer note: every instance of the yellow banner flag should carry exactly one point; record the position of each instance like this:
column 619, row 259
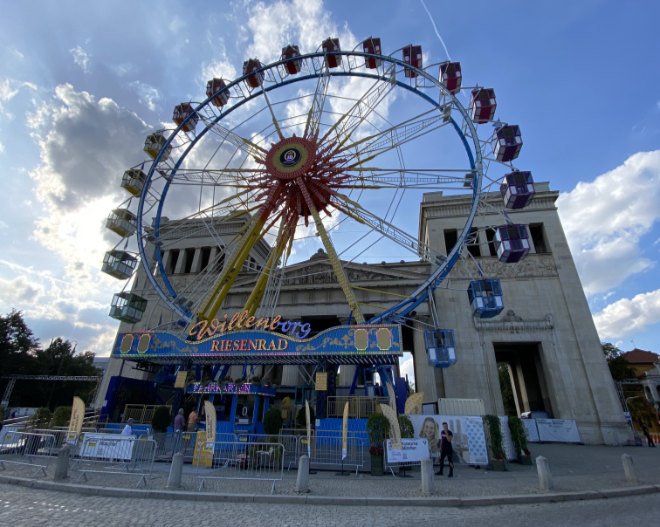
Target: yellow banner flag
column 309, row 431
column 76, row 421
column 209, row 410
column 344, row 433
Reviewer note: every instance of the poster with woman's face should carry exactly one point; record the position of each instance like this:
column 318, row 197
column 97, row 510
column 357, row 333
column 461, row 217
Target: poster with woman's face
column 468, row 441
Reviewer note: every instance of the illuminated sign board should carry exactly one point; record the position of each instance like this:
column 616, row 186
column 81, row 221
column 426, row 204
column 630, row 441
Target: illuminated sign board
column 363, row 344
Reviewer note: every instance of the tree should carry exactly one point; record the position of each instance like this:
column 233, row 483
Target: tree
column 17, row 345
column 20, row 353
column 619, row 367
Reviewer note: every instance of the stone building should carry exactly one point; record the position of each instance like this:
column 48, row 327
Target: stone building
column 545, row 332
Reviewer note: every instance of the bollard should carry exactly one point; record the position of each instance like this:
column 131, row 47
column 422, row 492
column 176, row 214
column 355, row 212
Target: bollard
column 174, row 479
column 628, row 468
column 302, row 481
column 428, row 483
column 545, row 476
column 62, row 463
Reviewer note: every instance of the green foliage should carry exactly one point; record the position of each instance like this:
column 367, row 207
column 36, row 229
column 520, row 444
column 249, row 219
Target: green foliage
column 378, row 429
column 273, row 421
column 61, row 416
column 301, row 422
column 507, row 389
column 406, row 426
column 41, row 418
column 518, row 434
column 20, row 353
column 494, row 436
column 641, row 411
column 620, row 369
column 161, row 419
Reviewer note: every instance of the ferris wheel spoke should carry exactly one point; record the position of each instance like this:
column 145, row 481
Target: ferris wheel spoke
column 348, row 123
column 342, row 279
column 386, row 229
column 368, row 148
column 272, row 114
column 248, row 147
column 406, row 178
column 318, row 103
column 269, row 274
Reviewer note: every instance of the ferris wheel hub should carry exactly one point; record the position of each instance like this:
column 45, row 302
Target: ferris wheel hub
column 290, row 158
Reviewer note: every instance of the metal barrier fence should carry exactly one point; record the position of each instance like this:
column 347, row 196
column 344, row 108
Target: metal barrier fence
column 169, row 444
column 141, row 413
column 115, row 454
column 244, row 460
column 325, row 448
column 25, row 448
column 359, row 407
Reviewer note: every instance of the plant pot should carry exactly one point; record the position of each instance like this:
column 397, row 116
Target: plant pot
column 499, row 465
column 525, row 460
column 376, row 465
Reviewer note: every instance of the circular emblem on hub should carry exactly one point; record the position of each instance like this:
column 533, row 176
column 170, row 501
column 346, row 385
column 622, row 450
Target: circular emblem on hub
column 290, row 157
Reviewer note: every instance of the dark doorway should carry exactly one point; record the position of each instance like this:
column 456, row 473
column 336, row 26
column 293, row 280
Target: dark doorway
column 528, row 383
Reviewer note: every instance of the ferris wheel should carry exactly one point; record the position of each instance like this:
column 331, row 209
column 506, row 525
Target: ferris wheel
column 327, row 150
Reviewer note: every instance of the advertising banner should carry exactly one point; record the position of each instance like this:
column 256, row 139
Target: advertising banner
column 558, row 430
column 411, row 450
column 368, row 343
column 203, row 453
column 107, row 446
column 469, row 440
column 76, row 420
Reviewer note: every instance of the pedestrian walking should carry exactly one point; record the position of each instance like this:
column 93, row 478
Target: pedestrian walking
column 179, row 426
column 647, row 434
column 446, row 450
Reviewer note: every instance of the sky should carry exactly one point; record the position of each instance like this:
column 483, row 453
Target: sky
column 82, row 84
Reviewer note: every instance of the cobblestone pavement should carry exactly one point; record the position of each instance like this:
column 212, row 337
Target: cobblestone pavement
column 510, row 498
column 33, row 507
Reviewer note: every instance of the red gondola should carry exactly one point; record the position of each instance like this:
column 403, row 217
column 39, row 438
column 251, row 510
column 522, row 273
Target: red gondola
column 182, row 112
column 251, row 66
column 507, row 142
column 291, row 52
column 372, row 45
column 331, row 45
column 214, row 86
column 482, row 105
column 451, row 76
column 412, row 55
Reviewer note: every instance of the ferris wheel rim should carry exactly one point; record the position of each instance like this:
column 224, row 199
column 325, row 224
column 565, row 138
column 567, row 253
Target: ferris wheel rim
column 473, row 153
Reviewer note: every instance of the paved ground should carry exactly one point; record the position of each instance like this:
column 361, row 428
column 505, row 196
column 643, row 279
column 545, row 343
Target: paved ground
column 583, row 477
column 33, row 507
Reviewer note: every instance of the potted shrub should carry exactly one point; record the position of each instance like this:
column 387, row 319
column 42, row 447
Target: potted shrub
column 406, row 427
column 273, row 421
column 520, row 440
column 494, row 440
column 377, row 430
column 160, row 419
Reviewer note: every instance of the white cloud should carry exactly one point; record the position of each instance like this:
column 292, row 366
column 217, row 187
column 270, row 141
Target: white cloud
column 148, row 94
column 80, row 57
column 86, row 144
column 301, row 22
column 604, row 221
column 9, row 88
column 629, row 315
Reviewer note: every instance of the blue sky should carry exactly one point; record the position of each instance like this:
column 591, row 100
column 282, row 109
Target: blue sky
column 82, row 83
